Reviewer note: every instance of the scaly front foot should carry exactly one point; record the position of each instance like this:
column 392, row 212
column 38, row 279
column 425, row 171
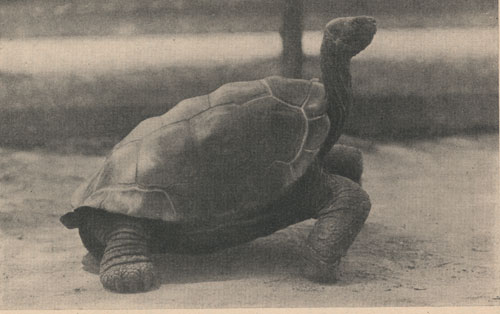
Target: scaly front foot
column 128, row 277
column 318, row 270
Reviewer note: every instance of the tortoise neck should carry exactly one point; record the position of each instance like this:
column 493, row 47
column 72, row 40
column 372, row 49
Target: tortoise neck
column 335, row 69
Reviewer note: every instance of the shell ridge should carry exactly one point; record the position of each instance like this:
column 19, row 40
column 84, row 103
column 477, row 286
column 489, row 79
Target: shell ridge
column 134, row 188
column 279, row 161
column 304, row 138
column 139, row 149
column 121, row 144
column 138, row 186
column 263, row 81
column 208, row 100
column 309, row 91
column 92, row 181
column 131, row 188
column 292, row 172
column 170, row 201
column 224, row 104
column 102, row 201
column 302, row 144
column 316, row 118
column 288, row 105
column 254, row 100
column 312, row 150
column 171, row 124
column 231, row 103
column 162, row 127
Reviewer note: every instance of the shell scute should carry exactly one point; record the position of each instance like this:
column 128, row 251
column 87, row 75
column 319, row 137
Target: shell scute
column 304, row 160
column 281, row 176
column 164, row 156
column 292, row 91
column 119, row 167
column 237, row 93
column 184, row 110
column 316, row 103
column 277, row 128
column 141, row 130
column 217, row 128
column 318, row 131
column 134, row 202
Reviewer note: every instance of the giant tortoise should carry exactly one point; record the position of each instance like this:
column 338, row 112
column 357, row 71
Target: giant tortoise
column 222, row 169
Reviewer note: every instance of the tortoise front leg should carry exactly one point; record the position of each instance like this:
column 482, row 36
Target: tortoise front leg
column 345, row 161
column 126, row 265
column 338, row 224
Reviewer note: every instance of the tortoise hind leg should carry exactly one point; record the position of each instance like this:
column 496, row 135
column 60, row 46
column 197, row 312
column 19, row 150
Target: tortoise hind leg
column 338, row 224
column 95, row 250
column 84, row 218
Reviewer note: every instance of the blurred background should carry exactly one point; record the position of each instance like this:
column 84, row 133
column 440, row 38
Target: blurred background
column 76, row 76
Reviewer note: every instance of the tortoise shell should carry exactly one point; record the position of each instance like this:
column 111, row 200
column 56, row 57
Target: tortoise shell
column 216, row 156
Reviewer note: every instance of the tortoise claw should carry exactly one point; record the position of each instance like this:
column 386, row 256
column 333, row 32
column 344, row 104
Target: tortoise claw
column 90, row 263
column 130, row 278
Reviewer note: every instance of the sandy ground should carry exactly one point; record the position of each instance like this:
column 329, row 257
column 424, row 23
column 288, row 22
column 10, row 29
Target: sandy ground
column 430, row 240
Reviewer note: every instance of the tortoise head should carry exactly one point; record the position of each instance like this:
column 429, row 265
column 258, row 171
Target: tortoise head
column 350, row 34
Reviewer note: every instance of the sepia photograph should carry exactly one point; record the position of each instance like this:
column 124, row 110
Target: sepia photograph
column 249, row 154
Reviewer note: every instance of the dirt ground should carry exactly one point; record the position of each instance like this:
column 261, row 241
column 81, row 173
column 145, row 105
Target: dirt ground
column 429, row 241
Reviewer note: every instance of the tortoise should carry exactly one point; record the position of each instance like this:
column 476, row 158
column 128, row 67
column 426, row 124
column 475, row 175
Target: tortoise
column 222, row 169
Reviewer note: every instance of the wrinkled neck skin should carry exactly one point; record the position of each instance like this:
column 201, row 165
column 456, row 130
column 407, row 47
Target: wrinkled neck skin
column 335, row 68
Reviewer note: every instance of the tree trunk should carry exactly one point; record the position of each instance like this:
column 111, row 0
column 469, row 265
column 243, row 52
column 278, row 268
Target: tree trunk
column 291, row 35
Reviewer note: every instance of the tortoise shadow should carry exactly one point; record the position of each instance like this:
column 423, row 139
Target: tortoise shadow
column 272, row 256
column 277, row 257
